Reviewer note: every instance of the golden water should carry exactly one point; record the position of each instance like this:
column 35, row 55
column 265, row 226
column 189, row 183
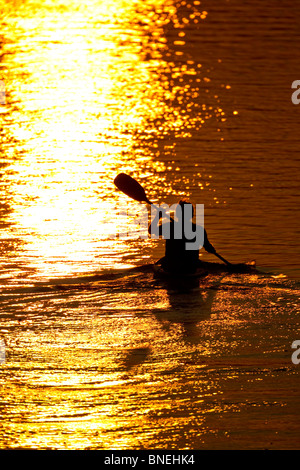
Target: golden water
column 192, row 99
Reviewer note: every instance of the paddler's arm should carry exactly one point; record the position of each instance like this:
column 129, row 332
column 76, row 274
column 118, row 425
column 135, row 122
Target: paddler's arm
column 207, row 245
column 154, row 226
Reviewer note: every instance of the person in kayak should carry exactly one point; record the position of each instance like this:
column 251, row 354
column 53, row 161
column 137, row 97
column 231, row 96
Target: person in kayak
column 178, row 256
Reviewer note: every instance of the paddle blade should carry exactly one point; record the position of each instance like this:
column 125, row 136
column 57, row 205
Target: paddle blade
column 249, row 267
column 131, row 187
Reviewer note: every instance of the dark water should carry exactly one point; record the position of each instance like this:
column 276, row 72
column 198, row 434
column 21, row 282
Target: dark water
column 192, row 99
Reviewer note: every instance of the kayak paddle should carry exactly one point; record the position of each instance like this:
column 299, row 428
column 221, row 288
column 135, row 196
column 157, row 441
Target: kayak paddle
column 131, row 187
column 238, row 267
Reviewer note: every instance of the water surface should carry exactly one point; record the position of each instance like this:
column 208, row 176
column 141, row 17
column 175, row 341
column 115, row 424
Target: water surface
column 192, row 99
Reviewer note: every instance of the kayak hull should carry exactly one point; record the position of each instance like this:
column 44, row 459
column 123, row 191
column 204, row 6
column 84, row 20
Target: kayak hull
column 160, row 273
column 205, row 268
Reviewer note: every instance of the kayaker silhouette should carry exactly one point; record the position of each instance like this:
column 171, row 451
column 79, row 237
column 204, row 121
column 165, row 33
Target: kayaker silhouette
column 178, row 258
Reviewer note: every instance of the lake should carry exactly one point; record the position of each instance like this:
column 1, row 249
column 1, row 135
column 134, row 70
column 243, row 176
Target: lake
column 192, row 99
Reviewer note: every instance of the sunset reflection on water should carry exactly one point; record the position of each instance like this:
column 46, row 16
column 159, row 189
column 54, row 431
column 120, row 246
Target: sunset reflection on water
column 96, row 358
column 87, row 87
